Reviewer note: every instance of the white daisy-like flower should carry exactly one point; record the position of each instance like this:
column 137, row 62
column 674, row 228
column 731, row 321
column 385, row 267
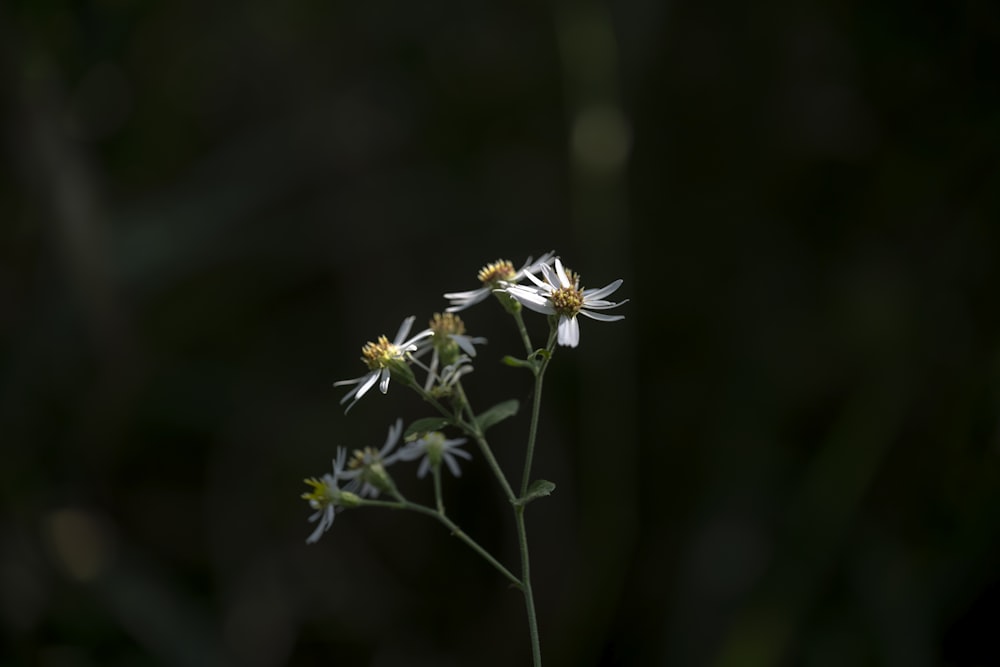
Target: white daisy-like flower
column 435, row 448
column 560, row 294
column 325, row 497
column 382, row 357
column 366, row 469
column 493, row 275
column 447, row 343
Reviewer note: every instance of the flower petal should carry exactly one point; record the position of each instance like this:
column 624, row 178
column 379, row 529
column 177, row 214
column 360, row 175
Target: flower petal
column 404, row 330
column 600, row 293
column 452, row 464
column 532, row 300
column 465, row 343
column 369, row 382
column 601, row 317
column 460, row 452
column 561, row 272
column 541, row 283
column 383, row 385
column 550, row 276
column 482, row 293
column 569, row 331
column 600, row 304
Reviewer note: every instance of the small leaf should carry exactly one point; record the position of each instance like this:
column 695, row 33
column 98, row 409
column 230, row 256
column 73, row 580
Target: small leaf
column 497, row 414
column 542, row 353
column 538, row 489
column 518, row 363
column 425, row 425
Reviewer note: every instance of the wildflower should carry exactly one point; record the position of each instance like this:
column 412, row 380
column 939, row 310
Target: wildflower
column 435, row 448
column 383, row 358
column 560, row 295
column 447, row 342
column 326, row 497
column 493, row 276
column 366, row 469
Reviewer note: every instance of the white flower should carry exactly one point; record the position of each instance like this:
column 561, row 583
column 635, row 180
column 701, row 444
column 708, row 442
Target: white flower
column 435, row 448
column 560, row 294
column 447, row 342
column 494, row 275
column 382, row 357
column 325, row 496
column 366, row 469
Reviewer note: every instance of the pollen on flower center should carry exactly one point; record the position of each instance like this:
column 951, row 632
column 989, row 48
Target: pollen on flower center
column 446, row 324
column 320, row 494
column 567, row 301
column 494, row 272
column 379, row 353
column 363, row 457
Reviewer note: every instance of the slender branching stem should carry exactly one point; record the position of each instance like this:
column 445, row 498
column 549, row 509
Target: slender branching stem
column 529, row 599
column 536, row 407
column 439, row 499
column 403, row 504
column 528, row 349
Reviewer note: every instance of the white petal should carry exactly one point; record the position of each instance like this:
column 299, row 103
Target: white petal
column 425, row 466
column 452, row 464
column 404, row 330
column 532, row 300
column 394, row 432
column 550, row 275
column 410, row 345
column 600, row 304
column 530, row 267
column 563, row 278
column 481, row 293
column 602, row 292
column 465, row 343
column 369, row 382
column 340, row 383
column 544, row 285
column 461, row 452
column 601, row 317
column 462, row 300
column 383, row 385
column 569, row 331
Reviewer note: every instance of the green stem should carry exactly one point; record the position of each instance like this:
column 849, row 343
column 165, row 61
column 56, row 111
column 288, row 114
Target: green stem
column 528, row 349
column 436, row 471
column 472, row 429
column 536, row 407
column 403, row 504
column 529, row 599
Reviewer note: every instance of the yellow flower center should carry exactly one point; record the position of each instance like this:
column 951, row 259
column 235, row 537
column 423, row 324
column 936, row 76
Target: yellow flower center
column 380, row 353
column 496, row 271
column 363, row 457
column 446, row 324
column 567, row 301
column 319, row 496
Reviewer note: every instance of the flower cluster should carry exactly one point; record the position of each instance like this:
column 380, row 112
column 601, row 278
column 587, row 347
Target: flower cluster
column 560, row 295
column 444, row 352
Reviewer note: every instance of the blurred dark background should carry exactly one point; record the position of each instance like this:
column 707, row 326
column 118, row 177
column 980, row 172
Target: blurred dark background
column 787, row 454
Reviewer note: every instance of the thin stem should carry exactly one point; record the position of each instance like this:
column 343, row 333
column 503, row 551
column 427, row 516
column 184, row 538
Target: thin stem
column 436, row 471
column 528, row 349
column 403, row 504
column 472, row 429
column 529, row 599
column 536, row 407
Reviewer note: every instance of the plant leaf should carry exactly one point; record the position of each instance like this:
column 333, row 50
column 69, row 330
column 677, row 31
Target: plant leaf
column 497, row 414
column 518, row 363
column 425, row 425
column 538, row 489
